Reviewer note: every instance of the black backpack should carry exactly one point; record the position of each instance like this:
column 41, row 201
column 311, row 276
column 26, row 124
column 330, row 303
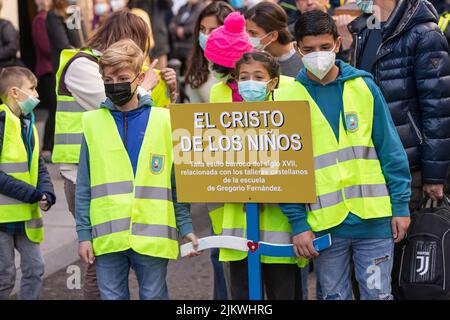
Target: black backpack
column 424, row 271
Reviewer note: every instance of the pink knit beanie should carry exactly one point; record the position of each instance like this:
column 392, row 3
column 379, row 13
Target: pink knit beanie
column 226, row 45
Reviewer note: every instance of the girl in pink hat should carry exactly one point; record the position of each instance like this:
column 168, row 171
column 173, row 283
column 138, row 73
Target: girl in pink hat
column 224, row 47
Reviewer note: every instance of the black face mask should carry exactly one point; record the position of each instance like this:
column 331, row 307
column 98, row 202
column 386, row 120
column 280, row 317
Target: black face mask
column 120, row 93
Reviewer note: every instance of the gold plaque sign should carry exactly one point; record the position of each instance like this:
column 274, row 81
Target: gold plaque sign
column 243, row 152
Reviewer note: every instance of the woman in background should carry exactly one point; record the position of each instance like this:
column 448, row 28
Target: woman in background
column 45, row 74
column 199, row 79
column 62, row 32
column 267, row 26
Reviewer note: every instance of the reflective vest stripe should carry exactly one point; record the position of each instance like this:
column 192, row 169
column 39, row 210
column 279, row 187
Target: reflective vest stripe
column 109, row 189
column 326, row 200
column 235, row 232
column 35, row 223
column 356, row 191
column 358, row 152
column 278, row 237
column 69, row 106
column 109, row 227
column 125, row 187
column 5, row 200
column 153, row 230
column 17, row 167
column 366, row 191
column 68, row 138
column 347, row 154
column 153, row 193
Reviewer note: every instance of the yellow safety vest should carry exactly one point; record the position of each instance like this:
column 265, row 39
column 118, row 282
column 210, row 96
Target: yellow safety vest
column 274, row 228
column 221, row 92
column 231, row 220
column 348, row 173
column 14, row 162
column 68, row 127
column 127, row 210
column 161, row 93
column 443, row 21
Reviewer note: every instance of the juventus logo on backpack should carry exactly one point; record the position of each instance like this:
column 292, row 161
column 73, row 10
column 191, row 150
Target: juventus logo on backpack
column 425, row 259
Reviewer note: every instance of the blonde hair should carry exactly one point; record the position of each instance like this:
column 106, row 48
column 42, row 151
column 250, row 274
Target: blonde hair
column 124, row 54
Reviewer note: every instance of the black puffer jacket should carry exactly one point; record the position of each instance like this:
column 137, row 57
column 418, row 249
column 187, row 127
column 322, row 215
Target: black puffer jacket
column 412, row 68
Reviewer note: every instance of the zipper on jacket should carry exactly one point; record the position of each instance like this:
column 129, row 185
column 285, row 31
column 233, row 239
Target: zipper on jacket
column 411, row 14
column 357, row 37
column 401, row 265
column 125, row 129
column 416, row 129
column 443, row 253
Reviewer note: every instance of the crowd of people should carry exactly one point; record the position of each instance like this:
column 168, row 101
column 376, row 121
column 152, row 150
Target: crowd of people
column 377, row 79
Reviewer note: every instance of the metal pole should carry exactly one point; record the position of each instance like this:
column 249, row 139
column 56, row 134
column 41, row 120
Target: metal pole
column 254, row 263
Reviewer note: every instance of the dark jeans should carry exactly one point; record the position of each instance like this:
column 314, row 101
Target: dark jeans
column 90, row 288
column 280, row 281
column 47, row 95
column 220, row 286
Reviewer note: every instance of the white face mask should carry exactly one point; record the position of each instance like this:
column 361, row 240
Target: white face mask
column 319, row 63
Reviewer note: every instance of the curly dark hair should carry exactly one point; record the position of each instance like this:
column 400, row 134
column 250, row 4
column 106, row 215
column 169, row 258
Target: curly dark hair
column 197, row 68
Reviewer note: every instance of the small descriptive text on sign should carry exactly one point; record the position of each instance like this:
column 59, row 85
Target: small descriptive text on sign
column 243, row 152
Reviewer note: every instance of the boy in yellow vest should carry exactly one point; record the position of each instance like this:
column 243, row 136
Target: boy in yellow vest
column 361, row 169
column 126, row 208
column 25, row 185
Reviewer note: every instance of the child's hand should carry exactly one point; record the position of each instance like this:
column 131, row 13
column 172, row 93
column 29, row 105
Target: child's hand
column 190, row 237
column 151, row 79
column 43, row 203
column 170, row 77
column 85, row 252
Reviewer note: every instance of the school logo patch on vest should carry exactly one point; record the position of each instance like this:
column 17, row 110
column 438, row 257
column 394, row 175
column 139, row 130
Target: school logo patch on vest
column 157, row 163
column 351, row 120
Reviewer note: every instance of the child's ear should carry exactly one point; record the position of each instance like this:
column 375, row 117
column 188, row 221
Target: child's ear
column 275, row 36
column 273, row 84
column 338, row 44
column 13, row 93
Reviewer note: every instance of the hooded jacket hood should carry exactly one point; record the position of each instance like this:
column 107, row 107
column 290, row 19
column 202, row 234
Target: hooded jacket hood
column 346, row 72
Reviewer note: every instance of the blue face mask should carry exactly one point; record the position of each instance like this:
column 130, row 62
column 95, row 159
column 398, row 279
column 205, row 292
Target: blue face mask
column 252, row 90
column 28, row 105
column 202, row 40
column 365, row 6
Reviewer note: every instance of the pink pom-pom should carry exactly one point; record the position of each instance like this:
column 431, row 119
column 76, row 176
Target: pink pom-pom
column 235, row 23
